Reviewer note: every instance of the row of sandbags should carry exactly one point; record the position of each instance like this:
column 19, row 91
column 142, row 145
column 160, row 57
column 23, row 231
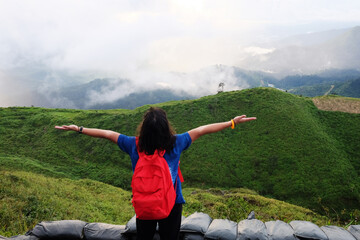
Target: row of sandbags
column 194, row 227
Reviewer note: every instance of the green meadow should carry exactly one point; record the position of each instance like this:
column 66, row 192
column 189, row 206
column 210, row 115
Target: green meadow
column 29, row 198
column 293, row 162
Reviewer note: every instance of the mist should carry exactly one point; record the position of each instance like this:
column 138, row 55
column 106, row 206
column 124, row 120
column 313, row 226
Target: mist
column 46, row 45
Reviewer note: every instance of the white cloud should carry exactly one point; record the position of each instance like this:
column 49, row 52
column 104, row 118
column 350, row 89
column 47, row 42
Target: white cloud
column 253, row 50
column 118, row 35
column 121, row 38
column 198, row 83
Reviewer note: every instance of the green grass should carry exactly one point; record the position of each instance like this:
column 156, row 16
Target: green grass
column 31, row 165
column 236, row 204
column 29, row 198
column 292, row 152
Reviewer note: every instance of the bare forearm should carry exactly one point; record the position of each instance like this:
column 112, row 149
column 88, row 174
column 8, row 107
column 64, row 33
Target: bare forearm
column 207, row 129
column 100, row 133
column 92, row 132
column 214, row 127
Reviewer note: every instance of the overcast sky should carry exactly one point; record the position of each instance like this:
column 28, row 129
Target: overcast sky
column 124, row 37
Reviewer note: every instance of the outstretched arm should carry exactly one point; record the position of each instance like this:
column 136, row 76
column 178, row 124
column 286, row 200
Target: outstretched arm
column 216, row 127
column 92, row 132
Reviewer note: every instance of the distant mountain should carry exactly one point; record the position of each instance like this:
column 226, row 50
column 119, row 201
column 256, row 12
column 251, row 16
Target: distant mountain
column 309, row 39
column 340, row 50
column 330, row 76
column 350, row 88
column 341, row 82
column 134, row 100
column 90, row 96
column 115, row 93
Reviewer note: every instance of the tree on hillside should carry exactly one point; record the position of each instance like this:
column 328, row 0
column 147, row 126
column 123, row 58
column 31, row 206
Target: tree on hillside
column 221, row 87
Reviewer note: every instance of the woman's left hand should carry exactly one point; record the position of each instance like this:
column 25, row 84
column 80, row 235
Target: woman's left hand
column 243, row 118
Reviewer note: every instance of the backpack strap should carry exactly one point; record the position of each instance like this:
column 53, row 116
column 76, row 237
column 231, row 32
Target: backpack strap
column 180, row 174
column 180, row 177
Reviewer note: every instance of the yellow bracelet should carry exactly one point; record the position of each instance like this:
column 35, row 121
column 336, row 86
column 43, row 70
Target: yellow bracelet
column 232, row 124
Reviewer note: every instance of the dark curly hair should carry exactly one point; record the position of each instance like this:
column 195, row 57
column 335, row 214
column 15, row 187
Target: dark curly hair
column 155, row 132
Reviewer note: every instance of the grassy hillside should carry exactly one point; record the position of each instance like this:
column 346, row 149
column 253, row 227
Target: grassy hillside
column 29, row 198
column 293, row 152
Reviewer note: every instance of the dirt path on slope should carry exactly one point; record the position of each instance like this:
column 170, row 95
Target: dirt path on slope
column 332, row 87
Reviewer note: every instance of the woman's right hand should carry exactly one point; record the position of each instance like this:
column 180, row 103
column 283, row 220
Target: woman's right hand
column 68, row 128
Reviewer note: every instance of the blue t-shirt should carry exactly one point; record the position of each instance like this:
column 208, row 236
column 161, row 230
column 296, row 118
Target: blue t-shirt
column 183, row 141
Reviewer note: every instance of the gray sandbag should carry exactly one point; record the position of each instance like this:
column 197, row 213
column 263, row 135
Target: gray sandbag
column 130, row 228
column 21, row 237
column 307, row 230
column 279, row 230
column 196, row 222
column 192, row 236
column 104, row 231
column 355, row 231
column 65, row 229
column 131, row 225
column 337, row 233
column 252, row 229
column 222, row 229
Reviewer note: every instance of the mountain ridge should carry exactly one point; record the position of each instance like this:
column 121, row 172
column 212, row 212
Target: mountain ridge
column 93, row 95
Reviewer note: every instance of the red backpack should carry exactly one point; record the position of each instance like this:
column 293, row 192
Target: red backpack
column 153, row 191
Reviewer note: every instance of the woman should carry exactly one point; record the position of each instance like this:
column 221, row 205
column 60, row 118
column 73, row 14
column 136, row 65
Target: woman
column 156, row 133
